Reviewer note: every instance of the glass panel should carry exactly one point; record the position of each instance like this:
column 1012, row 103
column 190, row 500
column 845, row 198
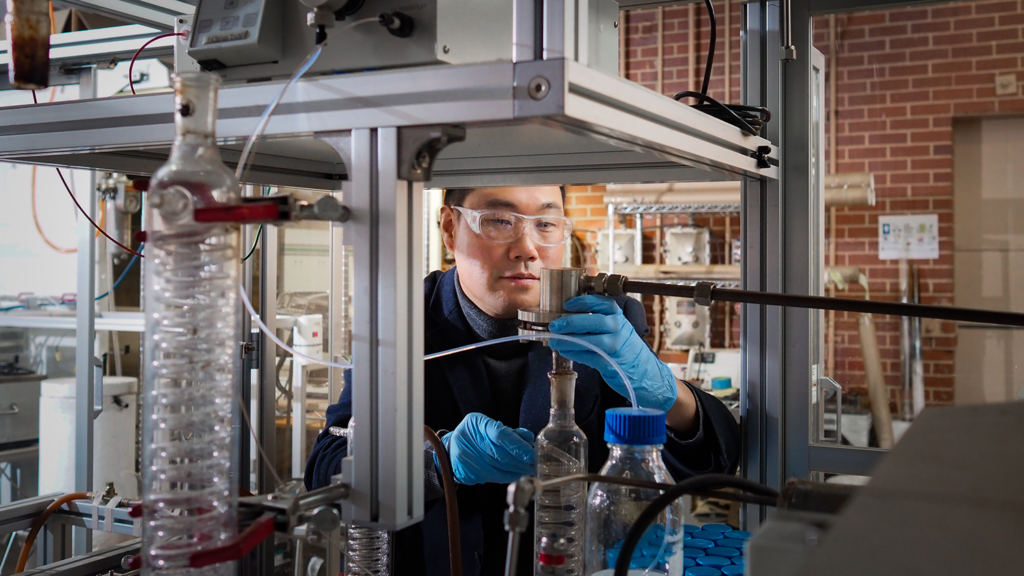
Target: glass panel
column 924, row 188
column 303, row 322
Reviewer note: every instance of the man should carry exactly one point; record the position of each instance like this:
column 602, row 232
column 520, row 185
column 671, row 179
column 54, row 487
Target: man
column 494, row 399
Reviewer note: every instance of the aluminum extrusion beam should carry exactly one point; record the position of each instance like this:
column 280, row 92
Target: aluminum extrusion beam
column 158, row 13
column 107, row 321
column 385, row 232
column 585, row 112
column 89, row 564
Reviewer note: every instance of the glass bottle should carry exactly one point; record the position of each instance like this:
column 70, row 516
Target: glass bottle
column 635, row 438
column 190, row 485
column 561, row 449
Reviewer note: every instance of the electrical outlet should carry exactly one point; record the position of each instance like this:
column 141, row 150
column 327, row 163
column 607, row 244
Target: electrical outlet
column 931, row 327
column 1006, row 84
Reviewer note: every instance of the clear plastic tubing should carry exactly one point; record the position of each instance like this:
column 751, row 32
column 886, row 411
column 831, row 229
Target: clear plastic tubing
column 548, row 336
column 189, row 487
column 299, row 73
column 270, row 334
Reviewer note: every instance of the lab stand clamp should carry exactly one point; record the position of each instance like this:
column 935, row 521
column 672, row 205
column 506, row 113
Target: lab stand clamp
column 313, row 517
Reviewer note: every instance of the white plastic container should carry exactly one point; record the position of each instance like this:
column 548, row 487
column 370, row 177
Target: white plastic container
column 114, row 437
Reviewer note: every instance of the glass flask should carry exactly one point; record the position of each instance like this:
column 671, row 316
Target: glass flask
column 635, row 438
column 190, row 485
column 561, row 450
column 369, row 551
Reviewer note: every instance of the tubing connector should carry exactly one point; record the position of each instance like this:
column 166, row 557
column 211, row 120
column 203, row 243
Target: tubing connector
column 604, row 284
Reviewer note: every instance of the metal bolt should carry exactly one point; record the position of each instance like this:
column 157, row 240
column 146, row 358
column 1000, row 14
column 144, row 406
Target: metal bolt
column 616, row 24
column 445, row 49
column 126, row 562
column 422, row 160
column 325, row 518
column 539, row 88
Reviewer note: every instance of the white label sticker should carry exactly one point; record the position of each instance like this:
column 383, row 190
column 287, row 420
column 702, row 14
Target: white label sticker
column 914, row 237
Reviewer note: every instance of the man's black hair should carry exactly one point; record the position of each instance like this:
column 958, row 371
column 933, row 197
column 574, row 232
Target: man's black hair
column 457, row 196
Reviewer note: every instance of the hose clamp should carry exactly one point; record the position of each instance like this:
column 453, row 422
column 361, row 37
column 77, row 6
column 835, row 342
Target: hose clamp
column 702, row 293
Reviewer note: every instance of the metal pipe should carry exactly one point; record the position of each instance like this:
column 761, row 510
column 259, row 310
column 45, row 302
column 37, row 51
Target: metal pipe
column 788, row 50
column 906, row 355
column 691, row 39
column 659, row 64
column 824, row 303
column 880, row 413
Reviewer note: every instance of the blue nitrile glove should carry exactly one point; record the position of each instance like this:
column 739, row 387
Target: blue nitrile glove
column 485, row 450
column 607, row 328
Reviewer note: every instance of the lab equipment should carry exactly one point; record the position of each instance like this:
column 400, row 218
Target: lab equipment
column 268, row 38
column 607, row 328
column 189, row 482
column 687, row 245
column 561, row 447
column 635, row 437
column 114, row 441
column 28, row 34
column 686, row 325
column 618, row 246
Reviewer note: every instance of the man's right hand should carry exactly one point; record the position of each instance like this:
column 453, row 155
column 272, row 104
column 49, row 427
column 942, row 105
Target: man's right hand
column 485, row 450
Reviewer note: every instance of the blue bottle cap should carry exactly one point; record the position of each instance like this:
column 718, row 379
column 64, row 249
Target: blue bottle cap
column 690, row 528
column 717, row 527
column 730, row 542
column 738, row 534
column 721, row 383
column 739, row 560
column 707, row 534
column 692, row 552
column 733, row 570
column 634, row 426
column 686, row 536
column 699, row 543
column 688, row 563
column 702, row 571
column 714, row 561
column 650, row 550
column 722, row 551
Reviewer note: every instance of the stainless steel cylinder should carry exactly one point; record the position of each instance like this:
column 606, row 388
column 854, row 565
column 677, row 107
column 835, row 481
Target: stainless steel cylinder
column 558, row 285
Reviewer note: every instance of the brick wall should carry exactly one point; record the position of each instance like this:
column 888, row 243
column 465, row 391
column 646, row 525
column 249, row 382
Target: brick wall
column 903, row 75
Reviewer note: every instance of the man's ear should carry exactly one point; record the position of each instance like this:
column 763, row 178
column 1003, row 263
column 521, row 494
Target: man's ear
column 448, row 227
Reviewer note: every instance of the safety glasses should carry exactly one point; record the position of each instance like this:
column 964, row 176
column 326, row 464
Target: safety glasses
column 498, row 226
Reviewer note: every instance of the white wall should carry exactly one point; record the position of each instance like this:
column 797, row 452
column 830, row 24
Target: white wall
column 27, row 264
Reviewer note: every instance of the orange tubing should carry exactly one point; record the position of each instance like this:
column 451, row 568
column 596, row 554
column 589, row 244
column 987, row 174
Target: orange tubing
column 40, row 522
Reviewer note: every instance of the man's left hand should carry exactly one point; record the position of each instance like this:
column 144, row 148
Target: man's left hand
column 609, row 330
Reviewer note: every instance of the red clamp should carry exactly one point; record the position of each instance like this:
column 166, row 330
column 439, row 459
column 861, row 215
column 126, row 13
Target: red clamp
column 250, row 538
column 263, row 210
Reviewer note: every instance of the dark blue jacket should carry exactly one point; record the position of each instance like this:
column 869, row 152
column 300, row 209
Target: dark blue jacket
column 457, row 385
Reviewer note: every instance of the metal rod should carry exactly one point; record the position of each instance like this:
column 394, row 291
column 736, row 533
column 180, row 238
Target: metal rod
column 788, row 50
column 824, row 303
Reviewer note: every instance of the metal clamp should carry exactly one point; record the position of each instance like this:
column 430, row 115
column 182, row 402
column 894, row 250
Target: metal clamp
column 97, row 388
column 702, row 293
column 822, row 382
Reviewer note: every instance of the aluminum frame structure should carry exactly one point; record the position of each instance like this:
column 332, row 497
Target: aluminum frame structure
column 544, row 118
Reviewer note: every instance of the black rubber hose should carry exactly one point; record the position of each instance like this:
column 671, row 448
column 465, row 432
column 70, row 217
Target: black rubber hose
column 711, row 49
column 700, row 484
column 840, row 304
